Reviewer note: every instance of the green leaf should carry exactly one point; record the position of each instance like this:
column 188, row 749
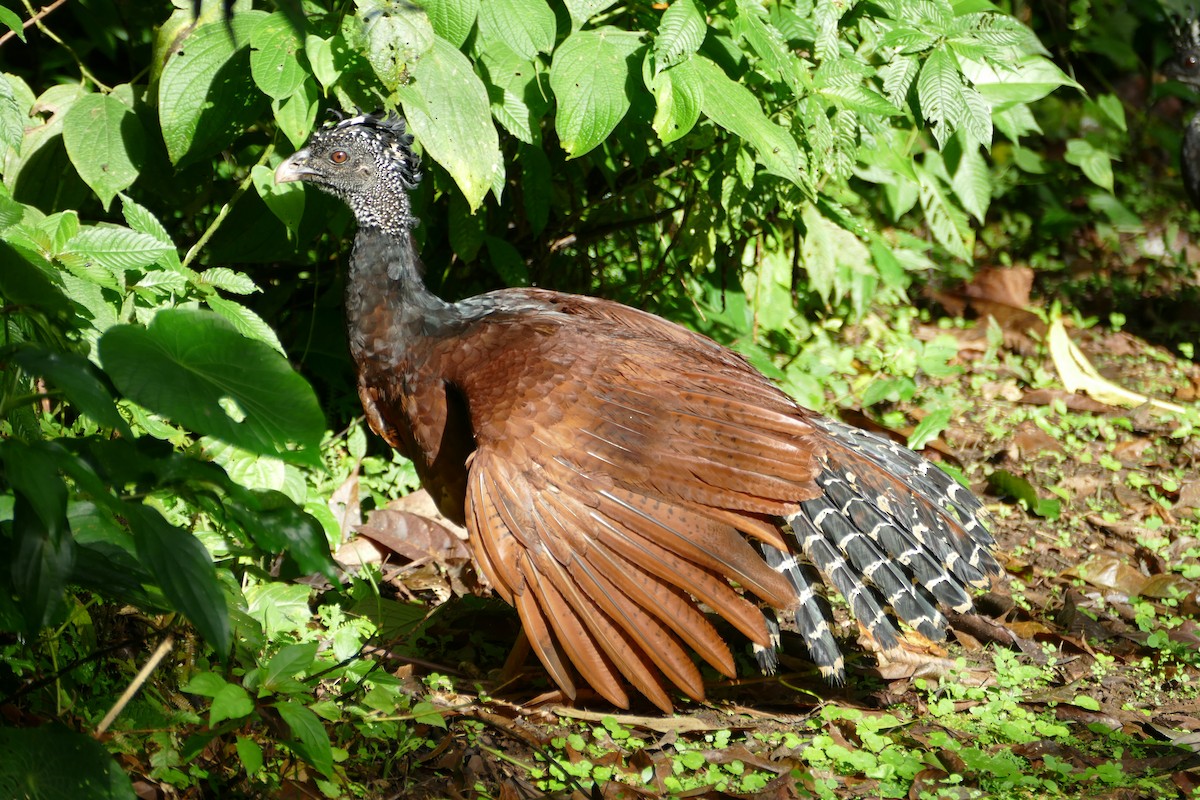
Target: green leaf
column 230, row 702
column 466, row 229
column 250, row 754
column 1006, row 484
column 312, row 742
column 588, row 77
column 396, row 35
column 677, row 94
column 507, row 261
column 23, row 283
column 940, row 93
column 12, row 117
column 536, row 187
column 583, row 10
column 289, row 662
column 930, row 427
column 278, row 525
column 1025, row 80
column 205, row 684
column 680, row 33
column 734, row 108
column 452, row 19
column 972, row 183
column 115, row 248
column 245, row 321
column 185, row 572
column 1095, row 163
column 526, row 26
column 274, row 56
column 10, row 20
column 296, row 115
column 53, row 763
column 195, row 368
column 286, row 200
column 206, row 95
column 106, row 143
column 751, row 23
column 447, row 108
column 947, row 222
column 229, row 281
column 320, row 54
column 76, row 377
column 43, row 551
column 142, row 220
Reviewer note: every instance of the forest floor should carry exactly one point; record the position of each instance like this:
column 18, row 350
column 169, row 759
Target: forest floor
column 1079, row 675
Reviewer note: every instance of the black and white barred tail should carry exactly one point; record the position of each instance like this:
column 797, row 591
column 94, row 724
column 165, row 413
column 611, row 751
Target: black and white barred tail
column 895, row 535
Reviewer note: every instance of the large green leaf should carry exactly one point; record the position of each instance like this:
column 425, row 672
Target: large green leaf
column 527, row 26
column 206, row 95
column 452, row 19
column 311, row 740
column 447, row 108
column 76, row 377
column 55, row 763
column 393, row 35
column 680, row 33
column 274, row 56
column 677, row 94
column 43, row 551
column 106, row 143
column 115, row 248
column 589, row 77
column 734, row 108
column 195, row 368
column 184, row 570
column 940, row 92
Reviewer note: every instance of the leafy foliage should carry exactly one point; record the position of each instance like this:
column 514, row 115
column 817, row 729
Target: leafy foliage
column 740, row 166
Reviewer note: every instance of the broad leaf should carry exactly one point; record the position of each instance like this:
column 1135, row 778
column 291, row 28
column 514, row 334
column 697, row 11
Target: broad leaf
column 527, row 26
column 677, row 94
column 452, row 19
column 588, row 78
column 106, row 143
column 52, row 762
column 185, row 572
column 274, row 56
column 680, row 33
column 447, row 108
column 117, row 249
column 734, row 108
column 206, row 95
column 195, row 368
column 393, row 35
column 76, row 377
column 311, row 739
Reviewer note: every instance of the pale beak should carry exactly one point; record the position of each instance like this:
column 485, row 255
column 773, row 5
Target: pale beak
column 293, row 167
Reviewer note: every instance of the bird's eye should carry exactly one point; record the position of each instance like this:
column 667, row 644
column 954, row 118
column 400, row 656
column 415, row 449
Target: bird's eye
column 338, row 157
column 1191, row 61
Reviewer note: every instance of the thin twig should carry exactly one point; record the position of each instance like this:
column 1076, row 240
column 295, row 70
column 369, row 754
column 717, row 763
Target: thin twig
column 159, row 654
column 33, row 20
column 225, row 209
column 83, row 70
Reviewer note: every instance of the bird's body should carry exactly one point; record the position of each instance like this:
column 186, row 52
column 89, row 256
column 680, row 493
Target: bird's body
column 613, row 468
column 1184, row 66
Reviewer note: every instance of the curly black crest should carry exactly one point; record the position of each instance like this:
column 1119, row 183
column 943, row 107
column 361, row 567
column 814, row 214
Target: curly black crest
column 1185, row 33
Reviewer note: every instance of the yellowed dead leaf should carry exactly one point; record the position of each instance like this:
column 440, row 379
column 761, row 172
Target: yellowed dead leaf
column 1078, row 374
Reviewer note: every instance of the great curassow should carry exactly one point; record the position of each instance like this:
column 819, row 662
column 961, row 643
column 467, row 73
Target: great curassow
column 615, row 470
column 1184, row 66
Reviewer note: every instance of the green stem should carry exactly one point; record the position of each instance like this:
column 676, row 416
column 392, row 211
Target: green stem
column 224, row 212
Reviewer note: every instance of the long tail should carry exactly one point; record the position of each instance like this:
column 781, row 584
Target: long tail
column 890, row 531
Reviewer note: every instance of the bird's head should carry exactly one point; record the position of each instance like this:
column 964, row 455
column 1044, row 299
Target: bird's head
column 1184, row 64
column 368, row 162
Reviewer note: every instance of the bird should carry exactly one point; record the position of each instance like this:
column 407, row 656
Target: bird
column 1184, row 66
column 617, row 472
